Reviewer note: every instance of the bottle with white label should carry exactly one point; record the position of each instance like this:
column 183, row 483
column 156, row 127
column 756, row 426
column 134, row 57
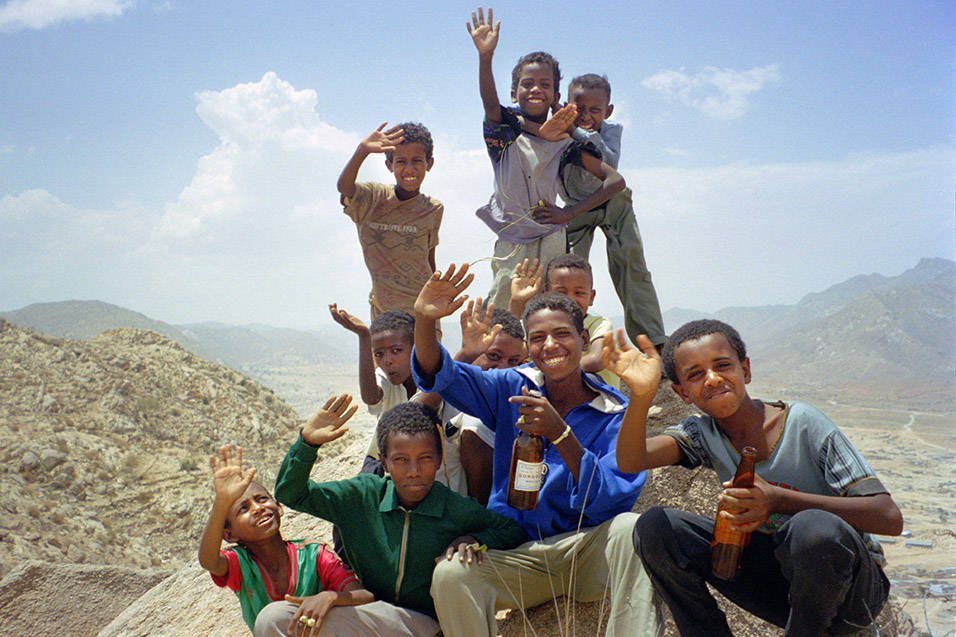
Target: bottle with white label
column 527, row 471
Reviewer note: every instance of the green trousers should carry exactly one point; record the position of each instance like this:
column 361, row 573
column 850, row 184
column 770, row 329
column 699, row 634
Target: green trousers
column 625, row 262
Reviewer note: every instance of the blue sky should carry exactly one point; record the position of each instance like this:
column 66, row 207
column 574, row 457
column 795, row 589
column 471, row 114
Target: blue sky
column 180, row 158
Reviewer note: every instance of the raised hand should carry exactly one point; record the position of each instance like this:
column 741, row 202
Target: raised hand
column 439, row 296
column 525, row 284
column 326, row 424
column 641, row 372
column 228, row 480
column 348, row 321
column 482, row 33
column 560, row 125
column 476, row 337
column 382, row 142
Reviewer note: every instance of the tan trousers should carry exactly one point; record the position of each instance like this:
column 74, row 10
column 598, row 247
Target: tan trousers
column 367, row 620
column 585, row 565
column 544, row 249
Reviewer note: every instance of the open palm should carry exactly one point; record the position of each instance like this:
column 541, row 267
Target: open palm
column 440, row 295
column 639, row 371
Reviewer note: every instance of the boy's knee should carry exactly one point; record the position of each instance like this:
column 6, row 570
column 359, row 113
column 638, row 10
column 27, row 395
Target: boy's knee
column 650, row 528
column 812, row 536
column 273, row 619
column 451, row 576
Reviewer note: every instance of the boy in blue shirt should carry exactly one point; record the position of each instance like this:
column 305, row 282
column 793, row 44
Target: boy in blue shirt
column 581, row 526
column 811, row 565
column 522, row 212
column 591, row 95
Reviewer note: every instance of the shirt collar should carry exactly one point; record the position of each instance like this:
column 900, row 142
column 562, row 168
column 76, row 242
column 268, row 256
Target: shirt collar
column 433, row 505
column 608, row 402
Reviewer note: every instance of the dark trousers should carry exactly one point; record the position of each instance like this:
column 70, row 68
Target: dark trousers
column 811, row 577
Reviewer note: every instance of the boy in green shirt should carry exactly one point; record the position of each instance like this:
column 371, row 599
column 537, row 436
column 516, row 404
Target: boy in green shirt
column 397, row 526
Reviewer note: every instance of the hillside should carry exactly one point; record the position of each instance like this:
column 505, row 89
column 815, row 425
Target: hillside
column 871, row 340
column 105, row 445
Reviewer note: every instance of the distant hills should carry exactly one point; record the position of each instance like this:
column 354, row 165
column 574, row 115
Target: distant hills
column 874, row 340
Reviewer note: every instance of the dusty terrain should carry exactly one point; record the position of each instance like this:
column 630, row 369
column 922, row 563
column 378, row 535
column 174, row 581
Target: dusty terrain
column 103, row 478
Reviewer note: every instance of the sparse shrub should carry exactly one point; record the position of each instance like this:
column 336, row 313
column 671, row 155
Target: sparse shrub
column 188, row 465
column 33, row 511
column 144, row 497
column 57, row 518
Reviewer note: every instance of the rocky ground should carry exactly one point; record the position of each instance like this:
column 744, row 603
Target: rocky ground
column 104, row 487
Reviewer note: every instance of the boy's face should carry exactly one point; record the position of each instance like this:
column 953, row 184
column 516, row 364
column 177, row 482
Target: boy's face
column 412, row 461
column 505, row 351
column 554, row 345
column 536, row 92
column 409, row 166
column 711, row 376
column 254, row 516
column 573, row 282
column 592, row 106
column 392, row 351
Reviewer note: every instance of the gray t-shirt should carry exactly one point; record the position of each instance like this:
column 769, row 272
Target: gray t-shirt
column 811, row 456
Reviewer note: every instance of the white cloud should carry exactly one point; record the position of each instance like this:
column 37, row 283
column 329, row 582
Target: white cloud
column 39, row 14
column 718, row 93
column 258, row 234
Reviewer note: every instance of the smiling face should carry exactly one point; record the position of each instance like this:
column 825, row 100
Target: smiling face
column 412, row 460
column 573, row 282
column 505, row 351
column 409, row 165
column 392, row 351
column 253, row 517
column 711, row 376
column 535, row 92
column 592, row 107
column 554, row 345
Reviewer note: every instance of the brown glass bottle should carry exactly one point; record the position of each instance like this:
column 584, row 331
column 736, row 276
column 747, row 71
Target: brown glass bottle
column 527, row 471
column 728, row 544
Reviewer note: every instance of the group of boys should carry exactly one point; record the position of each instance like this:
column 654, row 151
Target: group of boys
column 426, row 529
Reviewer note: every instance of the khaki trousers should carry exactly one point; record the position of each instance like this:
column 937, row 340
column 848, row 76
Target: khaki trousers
column 584, row 565
column 544, row 249
column 377, row 618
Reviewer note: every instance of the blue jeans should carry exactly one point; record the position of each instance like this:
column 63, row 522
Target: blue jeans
column 813, row 576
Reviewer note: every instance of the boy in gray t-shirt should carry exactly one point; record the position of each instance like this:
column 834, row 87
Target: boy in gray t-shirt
column 811, row 565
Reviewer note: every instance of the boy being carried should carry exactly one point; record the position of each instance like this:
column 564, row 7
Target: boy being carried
column 568, row 274
column 397, row 225
column 812, row 566
column 522, row 211
column 395, row 527
column 282, row 586
column 591, row 95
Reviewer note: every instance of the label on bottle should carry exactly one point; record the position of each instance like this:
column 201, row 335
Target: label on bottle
column 528, row 475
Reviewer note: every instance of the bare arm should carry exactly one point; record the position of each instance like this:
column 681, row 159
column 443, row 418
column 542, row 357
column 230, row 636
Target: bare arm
column 369, row 390
column 229, row 483
column 592, row 360
column 867, row 513
column 641, row 373
column 526, row 283
column 611, row 183
column 485, row 37
column 316, row 607
column 439, row 298
column 376, row 142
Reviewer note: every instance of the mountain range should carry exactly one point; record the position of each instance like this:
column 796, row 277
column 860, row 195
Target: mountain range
column 870, row 340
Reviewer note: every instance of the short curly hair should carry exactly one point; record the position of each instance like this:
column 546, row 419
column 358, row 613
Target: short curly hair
column 592, row 81
column 536, row 57
column 567, row 261
column 510, row 324
column 697, row 330
column 411, row 419
column 415, row 133
column 557, row 302
column 397, row 320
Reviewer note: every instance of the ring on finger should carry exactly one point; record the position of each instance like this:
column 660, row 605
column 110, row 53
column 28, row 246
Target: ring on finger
column 311, row 622
column 303, row 619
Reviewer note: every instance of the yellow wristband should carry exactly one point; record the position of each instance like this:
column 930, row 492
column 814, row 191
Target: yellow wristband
column 567, row 432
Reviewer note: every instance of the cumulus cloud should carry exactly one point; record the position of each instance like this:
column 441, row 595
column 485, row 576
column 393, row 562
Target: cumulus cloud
column 258, row 234
column 16, row 15
column 718, row 93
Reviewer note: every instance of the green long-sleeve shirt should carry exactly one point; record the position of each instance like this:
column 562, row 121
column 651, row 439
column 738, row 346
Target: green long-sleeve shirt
column 392, row 549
